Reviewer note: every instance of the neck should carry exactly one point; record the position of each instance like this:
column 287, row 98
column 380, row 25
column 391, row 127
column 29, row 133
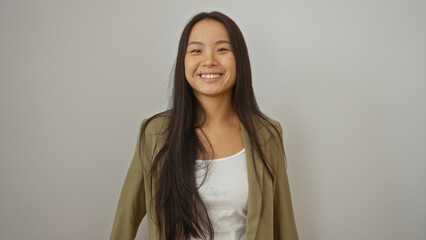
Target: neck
column 218, row 109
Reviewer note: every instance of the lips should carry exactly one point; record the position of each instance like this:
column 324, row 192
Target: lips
column 210, row 75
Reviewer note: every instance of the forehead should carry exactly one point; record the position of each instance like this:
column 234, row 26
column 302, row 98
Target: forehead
column 208, row 30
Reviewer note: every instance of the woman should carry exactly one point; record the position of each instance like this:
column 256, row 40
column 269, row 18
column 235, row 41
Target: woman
column 213, row 165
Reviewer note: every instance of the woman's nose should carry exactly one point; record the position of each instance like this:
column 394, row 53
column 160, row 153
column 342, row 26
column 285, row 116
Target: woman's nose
column 209, row 60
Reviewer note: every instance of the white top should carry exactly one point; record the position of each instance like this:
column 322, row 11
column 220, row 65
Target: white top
column 225, row 194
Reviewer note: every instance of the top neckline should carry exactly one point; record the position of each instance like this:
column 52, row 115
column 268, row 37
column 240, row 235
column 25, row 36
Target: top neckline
column 224, row 158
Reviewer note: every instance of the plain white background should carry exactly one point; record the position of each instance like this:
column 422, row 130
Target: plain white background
column 346, row 79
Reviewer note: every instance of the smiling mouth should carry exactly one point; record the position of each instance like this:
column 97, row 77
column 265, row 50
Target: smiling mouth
column 211, row 76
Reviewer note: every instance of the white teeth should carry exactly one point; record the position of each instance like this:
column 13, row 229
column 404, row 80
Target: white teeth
column 210, row 75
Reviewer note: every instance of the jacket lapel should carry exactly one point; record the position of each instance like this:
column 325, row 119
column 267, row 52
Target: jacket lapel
column 255, row 191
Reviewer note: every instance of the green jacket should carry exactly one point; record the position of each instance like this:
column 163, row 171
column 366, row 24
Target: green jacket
column 270, row 212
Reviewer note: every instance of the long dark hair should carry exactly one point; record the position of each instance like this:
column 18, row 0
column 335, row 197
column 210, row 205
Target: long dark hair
column 179, row 210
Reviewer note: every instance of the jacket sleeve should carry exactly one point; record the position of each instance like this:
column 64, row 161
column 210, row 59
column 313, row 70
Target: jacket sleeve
column 131, row 205
column 284, row 222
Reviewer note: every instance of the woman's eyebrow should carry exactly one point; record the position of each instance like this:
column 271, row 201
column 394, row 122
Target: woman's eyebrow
column 217, row 42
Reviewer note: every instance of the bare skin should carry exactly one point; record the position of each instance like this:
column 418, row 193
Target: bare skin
column 222, row 128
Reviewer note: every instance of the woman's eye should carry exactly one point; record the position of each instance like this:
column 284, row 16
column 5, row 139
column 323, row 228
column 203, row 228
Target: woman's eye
column 194, row 51
column 222, row 50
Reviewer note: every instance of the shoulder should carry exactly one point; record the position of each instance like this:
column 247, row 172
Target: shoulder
column 156, row 124
column 152, row 132
column 268, row 128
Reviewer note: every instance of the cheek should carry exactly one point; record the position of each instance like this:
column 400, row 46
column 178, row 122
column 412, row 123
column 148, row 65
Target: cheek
column 190, row 67
column 232, row 69
column 189, row 75
column 185, row 65
column 231, row 64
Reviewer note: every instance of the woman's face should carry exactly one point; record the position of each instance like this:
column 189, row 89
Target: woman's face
column 210, row 66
